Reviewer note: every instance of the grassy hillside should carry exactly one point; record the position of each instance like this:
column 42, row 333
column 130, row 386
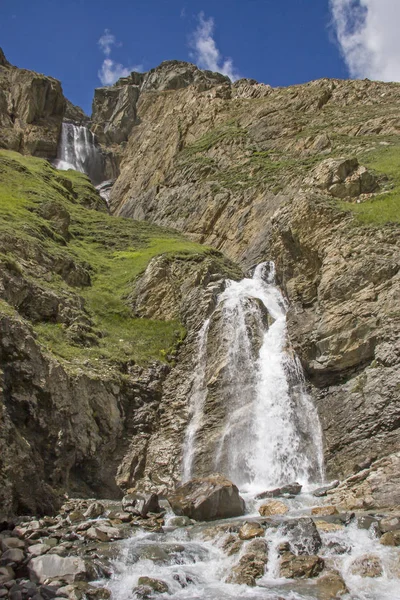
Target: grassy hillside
column 58, row 241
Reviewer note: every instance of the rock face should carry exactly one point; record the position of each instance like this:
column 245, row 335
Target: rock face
column 261, row 173
column 207, row 499
column 32, row 108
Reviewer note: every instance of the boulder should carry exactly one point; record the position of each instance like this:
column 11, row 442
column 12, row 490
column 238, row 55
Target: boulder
column 148, row 504
column 368, row 565
column 324, row 511
column 248, row 531
column 94, row 510
column 303, row 535
column 300, row 567
column 70, row 568
column 389, row 524
column 179, row 522
column 251, row 565
column 332, row 585
column 322, row 491
column 103, row 533
column 157, row 585
column 11, row 542
column 13, row 555
column 292, row 489
column 275, row 507
column 207, row 499
column 390, row 538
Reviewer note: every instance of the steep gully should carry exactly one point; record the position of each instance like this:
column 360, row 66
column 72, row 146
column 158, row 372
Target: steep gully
column 270, row 436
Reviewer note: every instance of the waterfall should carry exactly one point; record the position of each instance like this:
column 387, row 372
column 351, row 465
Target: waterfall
column 271, row 433
column 78, row 150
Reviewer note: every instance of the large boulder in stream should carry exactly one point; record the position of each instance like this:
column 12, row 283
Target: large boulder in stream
column 207, row 499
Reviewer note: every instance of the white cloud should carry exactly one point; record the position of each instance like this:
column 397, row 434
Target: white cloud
column 367, row 32
column 111, row 70
column 206, row 53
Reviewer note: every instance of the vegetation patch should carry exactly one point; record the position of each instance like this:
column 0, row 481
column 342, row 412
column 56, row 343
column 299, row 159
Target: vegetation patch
column 385, row 207
column 48, row 247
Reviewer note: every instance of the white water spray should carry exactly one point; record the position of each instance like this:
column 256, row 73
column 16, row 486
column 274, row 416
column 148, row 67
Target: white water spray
column 78, row 150
column 271, row 433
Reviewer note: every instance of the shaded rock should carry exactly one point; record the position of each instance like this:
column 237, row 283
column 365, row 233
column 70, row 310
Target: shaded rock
column 13, row 555
column 250, row 530
column 303, row 535
column 367, row 566
column 292, row 489
column 148, row 504
column 179, row 522
column 251, row 565
column 71, row 568
column 324, row 511
column 11, row 542
column 275, row 507
column 6, row 574
column 157, row 585
column 300, row 567
column 129, row 502
column 207, row 499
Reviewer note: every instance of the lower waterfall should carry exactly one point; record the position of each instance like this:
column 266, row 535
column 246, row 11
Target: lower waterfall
column 271, row 434
column 78, row 150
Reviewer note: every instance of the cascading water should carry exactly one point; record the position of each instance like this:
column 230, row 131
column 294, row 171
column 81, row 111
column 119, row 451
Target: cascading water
column 271, row 433
column 78, row 150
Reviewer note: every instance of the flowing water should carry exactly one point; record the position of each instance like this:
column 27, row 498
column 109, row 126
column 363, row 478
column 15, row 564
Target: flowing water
column 78, row 150
column 274, row 439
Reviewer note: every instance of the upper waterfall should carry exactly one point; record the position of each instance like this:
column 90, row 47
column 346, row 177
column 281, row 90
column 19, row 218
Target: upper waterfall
column 78, row 150
column 270, row 432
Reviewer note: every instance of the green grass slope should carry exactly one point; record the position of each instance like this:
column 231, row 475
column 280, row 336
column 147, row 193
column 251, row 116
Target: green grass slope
column 52, row 225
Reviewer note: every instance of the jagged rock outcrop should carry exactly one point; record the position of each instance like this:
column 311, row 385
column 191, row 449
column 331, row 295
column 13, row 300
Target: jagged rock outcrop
column 32, row 108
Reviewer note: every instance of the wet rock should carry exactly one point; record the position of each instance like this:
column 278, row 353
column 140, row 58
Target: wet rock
column 367, row 566
column 328, row 527
column 324, row 511
column 303, row 535
column 249, row 530
column 157, row 585
column 292, row 489
column 124, row 517
column 320, row 492
column 75, row 516
column 331, row 585
column 232, row 545
column 71, row 568
column 251, row 565
column 179, row 522
column 389, row 524
column 390, row 538
column 300, row 567
column 148, row 504
column 142, row 592
column 207, row 499
column 129, row 502
column 275, row 507
column 96, row 509
column 367, row 522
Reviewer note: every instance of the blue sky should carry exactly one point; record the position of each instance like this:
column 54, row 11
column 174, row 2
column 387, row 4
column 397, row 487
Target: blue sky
column 276, row 42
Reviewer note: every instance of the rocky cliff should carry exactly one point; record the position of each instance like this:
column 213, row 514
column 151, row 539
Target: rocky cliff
column 306, row 176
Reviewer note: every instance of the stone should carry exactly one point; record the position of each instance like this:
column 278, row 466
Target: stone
column 6, row 574
column 322, row 491
column 13, row 555
column 332, row 585
column 250, row 530
column 129, row 502
column 367, row 566
column 390, row 538
column 300, row 567
column 148, row 504
column 38, row 549
column 71, row 568
column 324, row 511
column 328, row 527
column 157, row 585
column 274, row 507
column 207, row 499
column 103, row 533
column 292, row 489
column 94, row 510
column 11, row 542
column 179, row 522
column 76, row 516
column 251, row 565
column 389, row 524
column 303, row 535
